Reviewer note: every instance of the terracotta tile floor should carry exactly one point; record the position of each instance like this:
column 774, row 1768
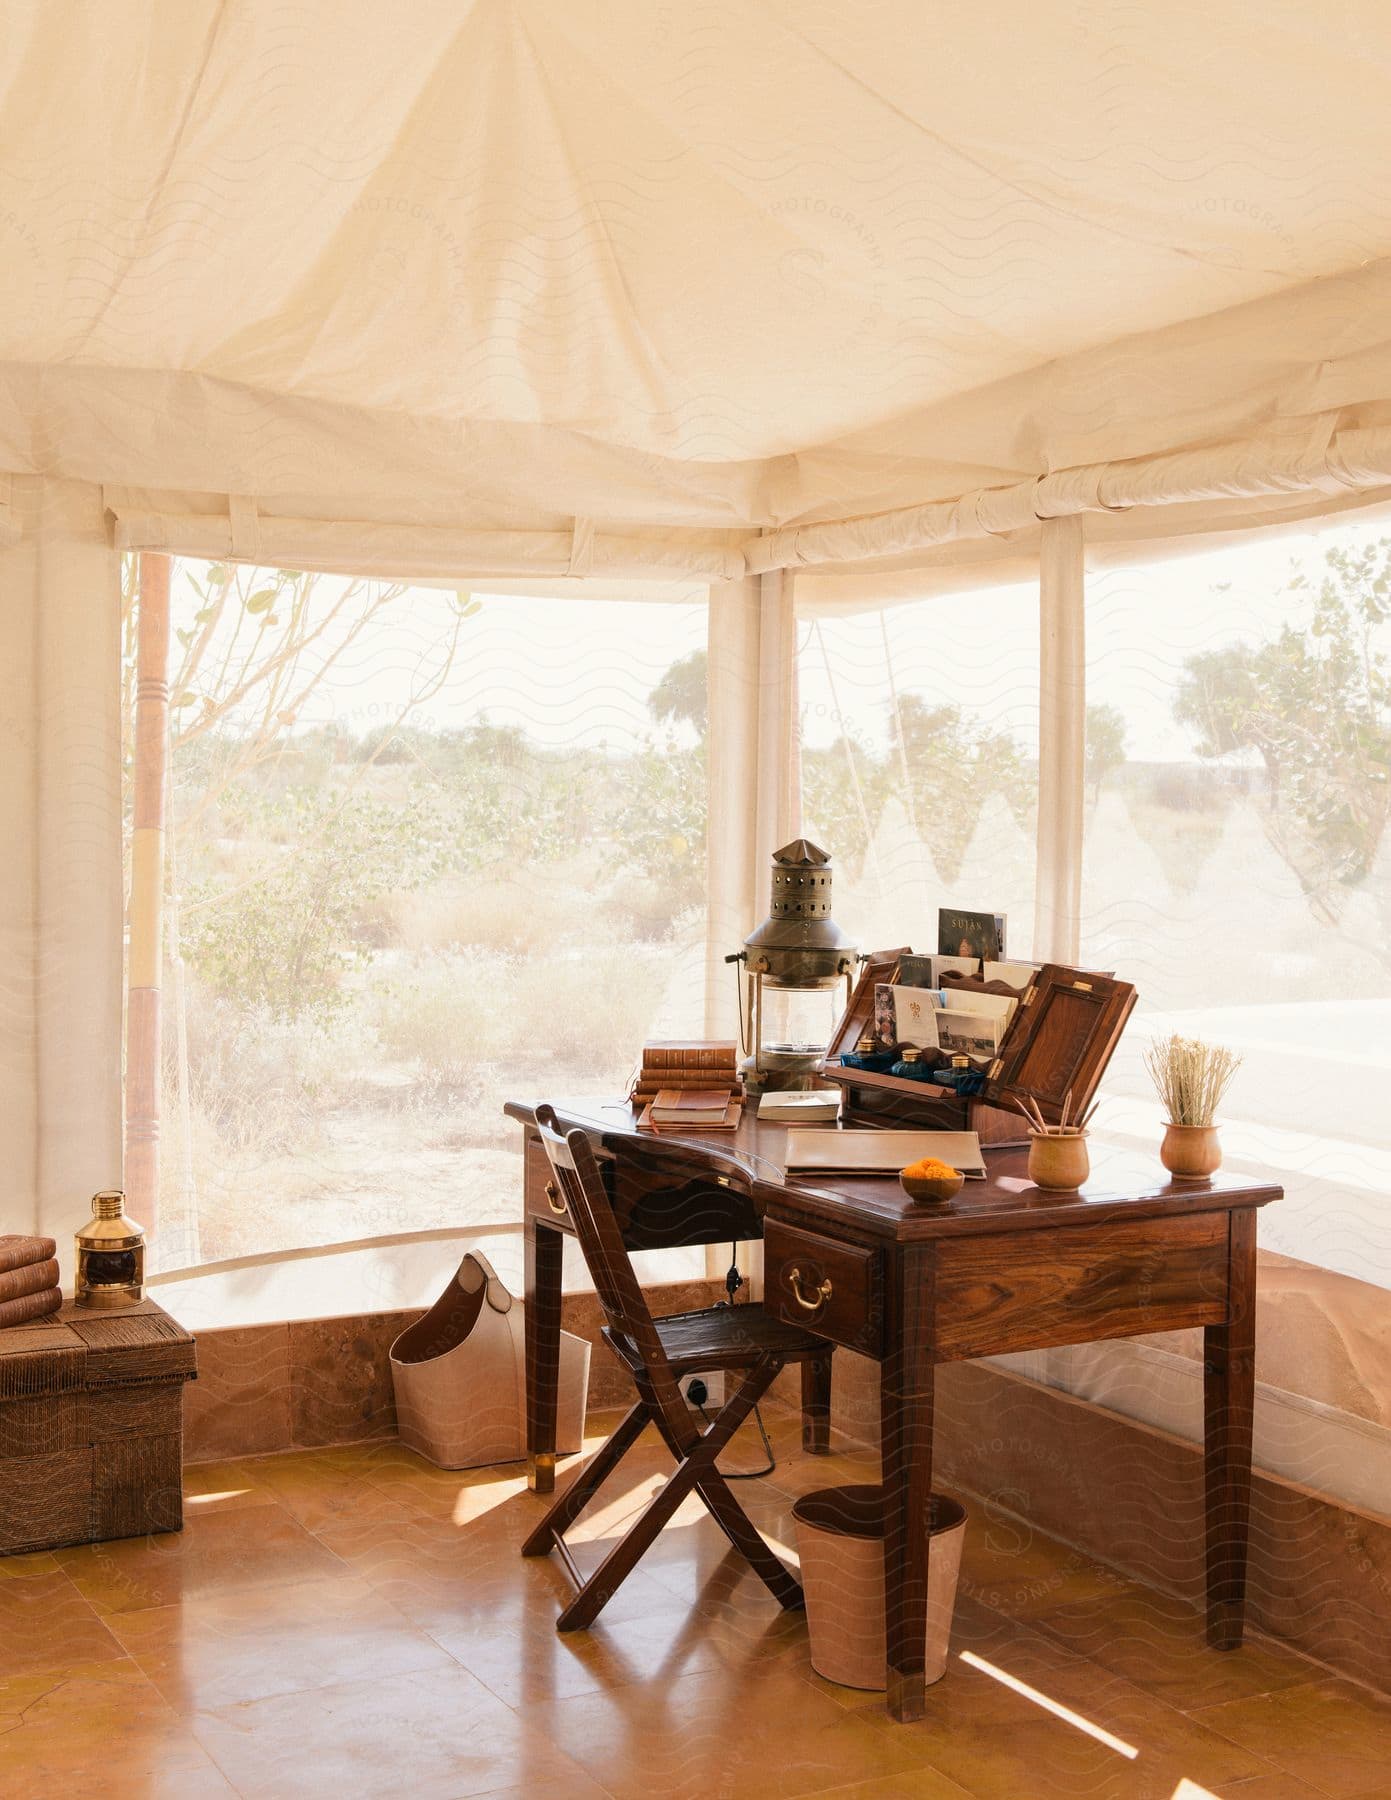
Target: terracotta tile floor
column 354, row 1623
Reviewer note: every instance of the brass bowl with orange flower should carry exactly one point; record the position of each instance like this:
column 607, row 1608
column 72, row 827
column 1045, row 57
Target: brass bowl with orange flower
column 930, row 1181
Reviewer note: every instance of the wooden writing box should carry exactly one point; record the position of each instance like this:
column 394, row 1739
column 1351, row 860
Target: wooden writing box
column 91, row 1426
column 1062, row 1036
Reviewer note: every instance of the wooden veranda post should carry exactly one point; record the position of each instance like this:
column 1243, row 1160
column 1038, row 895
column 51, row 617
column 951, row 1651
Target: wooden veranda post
column 147, row 889
column 1062, row 739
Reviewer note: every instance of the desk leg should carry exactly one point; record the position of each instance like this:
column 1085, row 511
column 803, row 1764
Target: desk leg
column 905, row 1412
column 545, row 1251
column 816, row 1407
column 1229, row 1384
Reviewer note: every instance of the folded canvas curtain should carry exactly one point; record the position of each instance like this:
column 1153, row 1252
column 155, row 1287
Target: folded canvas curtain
column 1305, row 460
column 237, row 530
column 1310, row 462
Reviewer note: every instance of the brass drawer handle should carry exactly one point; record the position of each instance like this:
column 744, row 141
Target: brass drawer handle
column 554, row 1201
column 820, row 1295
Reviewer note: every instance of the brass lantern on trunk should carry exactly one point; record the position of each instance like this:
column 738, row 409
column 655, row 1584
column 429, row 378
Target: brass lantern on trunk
column 798, row 951
column 110, row 1255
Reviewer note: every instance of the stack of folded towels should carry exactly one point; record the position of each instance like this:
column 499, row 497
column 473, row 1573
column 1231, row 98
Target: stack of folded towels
column 28, row 1279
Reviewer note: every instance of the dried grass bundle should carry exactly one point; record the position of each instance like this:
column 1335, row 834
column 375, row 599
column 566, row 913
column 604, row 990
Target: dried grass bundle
column 1191, row 1077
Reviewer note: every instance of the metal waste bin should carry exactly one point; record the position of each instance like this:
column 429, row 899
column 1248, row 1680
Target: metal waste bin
column 840, row 1539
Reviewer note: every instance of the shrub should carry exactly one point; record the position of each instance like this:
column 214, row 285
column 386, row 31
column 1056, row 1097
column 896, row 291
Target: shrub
column 258, row 1079
column 1184, row 788
column 284, row 939
column 506, row 917
column 592, row 1008
column 445, row 1014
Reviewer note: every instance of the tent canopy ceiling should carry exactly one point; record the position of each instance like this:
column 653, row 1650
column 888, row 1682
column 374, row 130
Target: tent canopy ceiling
column 705, row 266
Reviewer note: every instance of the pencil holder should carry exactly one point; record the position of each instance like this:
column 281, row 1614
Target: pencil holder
column 1058, row 1161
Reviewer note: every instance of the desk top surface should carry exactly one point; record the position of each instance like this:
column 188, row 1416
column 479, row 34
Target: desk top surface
column 1123, row 1184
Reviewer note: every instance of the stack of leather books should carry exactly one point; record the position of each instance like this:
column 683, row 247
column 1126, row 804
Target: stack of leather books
column 28, row 1279
column 688, row 1084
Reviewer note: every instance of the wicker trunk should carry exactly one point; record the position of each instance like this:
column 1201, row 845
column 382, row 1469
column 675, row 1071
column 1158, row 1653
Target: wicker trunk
column 91, row 1427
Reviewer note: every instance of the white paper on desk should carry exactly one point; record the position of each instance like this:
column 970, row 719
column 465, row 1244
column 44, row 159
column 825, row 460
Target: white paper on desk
column 880, row 1152
column 819, row 1107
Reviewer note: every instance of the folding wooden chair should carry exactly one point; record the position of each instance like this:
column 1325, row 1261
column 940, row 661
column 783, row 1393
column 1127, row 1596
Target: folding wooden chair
column 660, row 1353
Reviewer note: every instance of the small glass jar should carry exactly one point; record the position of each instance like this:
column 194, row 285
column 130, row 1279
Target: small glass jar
column 960, row 1076
column 911, row 1067
column 869, row 1055
column 110, row 1255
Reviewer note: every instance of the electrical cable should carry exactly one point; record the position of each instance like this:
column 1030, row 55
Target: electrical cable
column 733, row 1281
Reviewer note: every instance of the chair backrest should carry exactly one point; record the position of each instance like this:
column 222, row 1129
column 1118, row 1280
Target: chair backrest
column 581, row 1182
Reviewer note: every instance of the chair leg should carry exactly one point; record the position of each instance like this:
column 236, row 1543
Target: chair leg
column 746, row 1538
column 719, row 1498
column 569, row 1505
column 695, row 1472
column 620, row 1562
column 816, row 1405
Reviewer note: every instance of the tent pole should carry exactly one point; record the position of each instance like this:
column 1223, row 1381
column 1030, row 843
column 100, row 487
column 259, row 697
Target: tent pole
column 733, row 876
column 779, row 804
column 1062, row 732
column 147, row 889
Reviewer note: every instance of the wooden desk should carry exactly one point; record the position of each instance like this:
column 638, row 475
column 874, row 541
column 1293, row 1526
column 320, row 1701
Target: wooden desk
column 1002, row 1267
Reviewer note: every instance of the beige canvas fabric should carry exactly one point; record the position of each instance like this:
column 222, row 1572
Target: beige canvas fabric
column 879, row 301
column 699, row 269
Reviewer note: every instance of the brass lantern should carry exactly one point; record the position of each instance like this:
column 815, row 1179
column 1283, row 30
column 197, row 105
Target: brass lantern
column 110, row 1255
column 797, row 950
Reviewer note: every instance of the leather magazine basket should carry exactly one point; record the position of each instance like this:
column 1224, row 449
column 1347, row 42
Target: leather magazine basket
column 459, row 1376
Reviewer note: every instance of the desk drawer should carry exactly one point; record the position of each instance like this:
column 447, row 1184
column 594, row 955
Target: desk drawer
column 1038, row 1288
column 833, row 1289
column 541, row 1189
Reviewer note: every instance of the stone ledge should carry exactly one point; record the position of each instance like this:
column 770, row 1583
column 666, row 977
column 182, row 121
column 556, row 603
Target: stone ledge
column 314, row 1382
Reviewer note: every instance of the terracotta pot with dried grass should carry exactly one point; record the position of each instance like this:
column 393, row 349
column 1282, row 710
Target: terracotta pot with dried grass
column 1191, row 1078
